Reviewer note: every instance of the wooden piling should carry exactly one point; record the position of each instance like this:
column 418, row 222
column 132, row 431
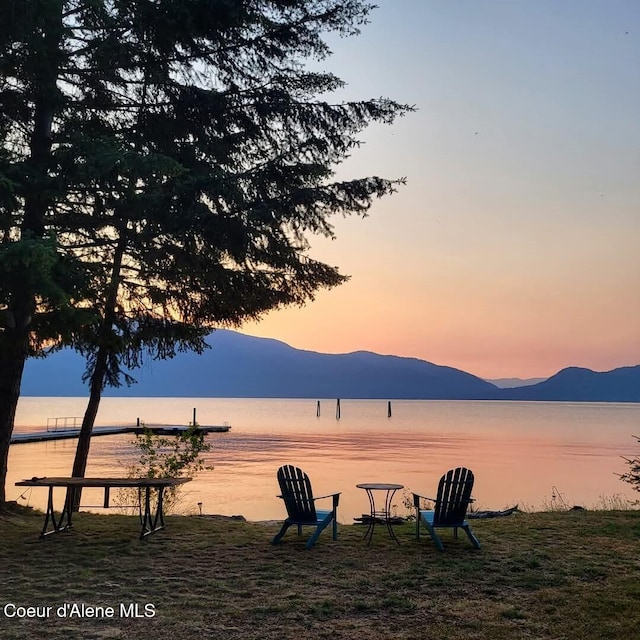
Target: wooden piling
column 318, row 410
column 338, row 409
column 389, row 409
column 194, row 416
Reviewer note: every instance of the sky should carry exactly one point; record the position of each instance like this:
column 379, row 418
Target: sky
column 514, row 248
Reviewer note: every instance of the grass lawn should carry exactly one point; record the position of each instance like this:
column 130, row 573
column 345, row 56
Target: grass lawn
column 561, row 576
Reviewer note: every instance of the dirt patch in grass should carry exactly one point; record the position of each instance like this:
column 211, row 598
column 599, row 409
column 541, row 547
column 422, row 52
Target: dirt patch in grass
column 550, row 575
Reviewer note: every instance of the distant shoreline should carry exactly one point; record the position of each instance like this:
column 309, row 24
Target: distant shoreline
column 342, row 398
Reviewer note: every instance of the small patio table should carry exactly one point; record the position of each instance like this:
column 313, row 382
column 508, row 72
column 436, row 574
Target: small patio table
column 151, row 521
column 383, row 513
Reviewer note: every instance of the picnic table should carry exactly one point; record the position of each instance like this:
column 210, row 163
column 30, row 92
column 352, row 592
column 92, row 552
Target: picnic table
column 151, row 519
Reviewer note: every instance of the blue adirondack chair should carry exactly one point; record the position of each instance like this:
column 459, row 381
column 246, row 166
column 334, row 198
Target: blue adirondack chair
column 295, row 489
column 454, row 496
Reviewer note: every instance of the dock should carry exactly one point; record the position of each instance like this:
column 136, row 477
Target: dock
column 158, row 429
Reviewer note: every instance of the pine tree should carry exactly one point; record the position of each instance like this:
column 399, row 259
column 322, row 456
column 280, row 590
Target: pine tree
column 163, row 164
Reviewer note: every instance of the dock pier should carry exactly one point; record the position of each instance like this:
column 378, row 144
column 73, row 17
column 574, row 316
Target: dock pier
column 159, row 429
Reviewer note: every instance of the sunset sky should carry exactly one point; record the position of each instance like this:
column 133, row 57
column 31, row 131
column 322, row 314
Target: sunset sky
column 514, row 249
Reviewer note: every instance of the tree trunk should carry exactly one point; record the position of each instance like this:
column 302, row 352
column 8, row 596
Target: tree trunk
column 99, row 370
column 21, row 303
column 84, row 439
column 12, row 362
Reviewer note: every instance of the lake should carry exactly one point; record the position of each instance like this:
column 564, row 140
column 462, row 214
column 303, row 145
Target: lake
column 534, row 454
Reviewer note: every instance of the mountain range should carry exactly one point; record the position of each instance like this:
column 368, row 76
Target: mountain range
column 241, row 366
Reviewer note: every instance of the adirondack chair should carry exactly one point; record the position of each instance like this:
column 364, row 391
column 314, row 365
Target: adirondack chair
column 298, row 498
column 454, row 496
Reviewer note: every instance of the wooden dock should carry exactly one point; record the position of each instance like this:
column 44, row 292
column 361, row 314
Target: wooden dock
column 65, row 434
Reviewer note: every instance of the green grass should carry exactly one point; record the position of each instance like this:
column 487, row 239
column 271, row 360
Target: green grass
column 558, row 575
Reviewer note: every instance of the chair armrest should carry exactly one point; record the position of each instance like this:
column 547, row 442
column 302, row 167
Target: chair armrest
column 416, row 499
column 425, row 497
column 335, row 496
column 330, row 495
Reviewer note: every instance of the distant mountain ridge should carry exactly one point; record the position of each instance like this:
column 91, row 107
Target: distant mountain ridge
column 508, row 383
column 244, row 366
column 576, row 384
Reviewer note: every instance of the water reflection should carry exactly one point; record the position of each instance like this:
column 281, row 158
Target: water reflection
column 518, row 451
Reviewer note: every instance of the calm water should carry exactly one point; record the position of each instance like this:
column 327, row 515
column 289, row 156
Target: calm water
column 518, row 451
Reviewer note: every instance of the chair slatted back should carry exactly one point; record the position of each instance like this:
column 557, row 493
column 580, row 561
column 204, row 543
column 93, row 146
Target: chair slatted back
column 295, row 488
column 454, row 496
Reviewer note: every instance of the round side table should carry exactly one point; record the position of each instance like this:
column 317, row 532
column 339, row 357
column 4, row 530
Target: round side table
column 385, row 512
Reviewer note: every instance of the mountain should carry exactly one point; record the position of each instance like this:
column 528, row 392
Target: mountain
column 508, row 383
column 575, row 384
column 241, row 366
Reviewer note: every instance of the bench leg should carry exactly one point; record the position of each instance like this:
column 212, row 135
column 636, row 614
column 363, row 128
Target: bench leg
column 64, row 520
column 151, row 522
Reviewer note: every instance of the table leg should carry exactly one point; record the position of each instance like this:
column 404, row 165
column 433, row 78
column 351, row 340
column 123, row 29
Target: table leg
column 372, row 519
column 64, row 521
column 152, row 523
column 160, row 508
column 387, row 512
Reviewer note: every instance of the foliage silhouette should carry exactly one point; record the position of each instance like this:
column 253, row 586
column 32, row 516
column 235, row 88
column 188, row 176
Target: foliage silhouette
column 171, row 158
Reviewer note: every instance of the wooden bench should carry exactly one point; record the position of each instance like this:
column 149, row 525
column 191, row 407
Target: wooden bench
column 151, row 520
